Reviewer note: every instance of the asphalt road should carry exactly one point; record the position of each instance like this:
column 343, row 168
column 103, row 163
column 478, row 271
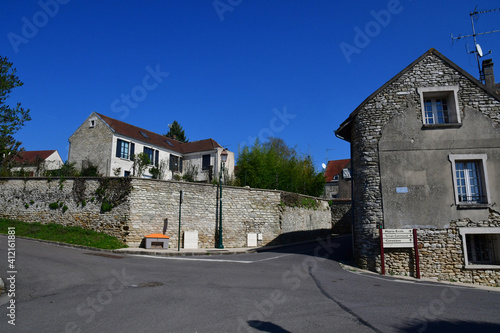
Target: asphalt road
column 294, row 289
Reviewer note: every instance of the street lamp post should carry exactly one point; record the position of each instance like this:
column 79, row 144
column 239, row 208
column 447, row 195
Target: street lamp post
column 223, row 159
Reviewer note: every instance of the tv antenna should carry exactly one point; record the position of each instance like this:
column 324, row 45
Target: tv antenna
column 478, row 51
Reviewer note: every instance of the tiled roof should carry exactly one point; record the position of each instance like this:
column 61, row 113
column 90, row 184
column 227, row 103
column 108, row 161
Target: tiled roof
column 158, row 140
column 30, row 156
column 334, row 168
column 344, row 130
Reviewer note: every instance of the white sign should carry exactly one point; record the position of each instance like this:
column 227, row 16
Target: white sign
column 397, row 237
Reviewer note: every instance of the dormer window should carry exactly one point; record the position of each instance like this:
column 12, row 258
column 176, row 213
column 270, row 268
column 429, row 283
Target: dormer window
column 439, row 106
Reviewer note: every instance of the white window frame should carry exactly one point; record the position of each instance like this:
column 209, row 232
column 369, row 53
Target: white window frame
column 450, row 93
column 475, row 231
column 92, row 122
column 484, row 181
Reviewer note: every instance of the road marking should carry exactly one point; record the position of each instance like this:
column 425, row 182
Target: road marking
column 212, row 259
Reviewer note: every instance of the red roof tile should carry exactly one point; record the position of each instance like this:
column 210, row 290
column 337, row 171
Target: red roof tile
column 158, row 140
column 30, row 156
column 334, row 168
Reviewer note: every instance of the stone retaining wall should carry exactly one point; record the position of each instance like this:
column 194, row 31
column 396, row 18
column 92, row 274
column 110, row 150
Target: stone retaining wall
column 143, row 206
column 441, row 255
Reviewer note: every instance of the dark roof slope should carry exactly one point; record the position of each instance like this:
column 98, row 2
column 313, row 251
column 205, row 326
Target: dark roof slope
column 155, row 139
column 31, row 156
column 344, row 129
column 334, row 168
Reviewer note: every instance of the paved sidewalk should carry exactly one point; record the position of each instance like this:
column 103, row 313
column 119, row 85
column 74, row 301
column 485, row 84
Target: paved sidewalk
column 187, row 252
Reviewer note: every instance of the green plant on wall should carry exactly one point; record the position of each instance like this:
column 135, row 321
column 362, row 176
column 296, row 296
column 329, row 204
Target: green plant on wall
column 112, row 191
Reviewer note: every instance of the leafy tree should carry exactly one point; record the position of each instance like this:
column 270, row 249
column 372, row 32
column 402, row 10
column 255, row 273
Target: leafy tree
column 176, row 132
column 274, row 165
column 141, row 162
column 67, row 170
column 12, row 119
column 159, row 171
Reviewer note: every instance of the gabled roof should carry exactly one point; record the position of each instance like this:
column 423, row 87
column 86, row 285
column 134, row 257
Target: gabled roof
column 343, row 131
column 158, row 140
column 31, row 156
column 334, row 168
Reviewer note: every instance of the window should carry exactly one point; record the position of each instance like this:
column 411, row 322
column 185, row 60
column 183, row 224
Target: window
column 205, row 162
column 92, row 123
column 150, row 153
column 175, row 163
column 481, row 247
column 346, row 173
column 122, row 149
column 439, row 106
column 470, row 179
column 436, row 111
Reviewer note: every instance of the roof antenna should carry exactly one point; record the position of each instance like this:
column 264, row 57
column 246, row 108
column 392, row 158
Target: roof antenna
column 478, row 51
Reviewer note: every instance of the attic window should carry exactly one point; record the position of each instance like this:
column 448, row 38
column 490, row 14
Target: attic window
column 92, row 123
column 144, row 134
column 169, row 143
column 439, row 106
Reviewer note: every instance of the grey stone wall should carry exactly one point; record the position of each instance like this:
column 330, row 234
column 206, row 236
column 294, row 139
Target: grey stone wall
column 441, row 255
column 367, row 130
column 94, row 142
column 76, row 204
column 143, row 206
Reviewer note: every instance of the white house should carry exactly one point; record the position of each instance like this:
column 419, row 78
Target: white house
column 36, row 162
column 111, row 145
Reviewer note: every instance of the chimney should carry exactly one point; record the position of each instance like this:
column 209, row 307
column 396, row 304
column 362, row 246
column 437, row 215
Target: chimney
column 489, row 76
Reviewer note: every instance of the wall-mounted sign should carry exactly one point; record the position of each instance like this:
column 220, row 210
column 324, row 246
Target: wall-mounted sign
column 401, row 189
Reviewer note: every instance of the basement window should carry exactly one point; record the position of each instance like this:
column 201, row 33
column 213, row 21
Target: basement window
column 439, row 106
column 481, row 247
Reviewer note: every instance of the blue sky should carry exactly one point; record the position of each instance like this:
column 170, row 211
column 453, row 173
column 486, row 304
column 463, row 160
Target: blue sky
column 231, row 70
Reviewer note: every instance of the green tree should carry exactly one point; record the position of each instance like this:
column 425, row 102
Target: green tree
column 141, row 162
column 176, row 132
column 274, row 165
column 12, row 119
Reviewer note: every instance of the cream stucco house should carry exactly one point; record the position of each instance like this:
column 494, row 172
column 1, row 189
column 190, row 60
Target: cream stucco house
column 111, row 145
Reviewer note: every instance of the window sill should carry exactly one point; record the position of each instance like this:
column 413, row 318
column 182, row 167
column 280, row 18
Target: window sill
column 441, row 126
column 473, row 205
column 482, row 266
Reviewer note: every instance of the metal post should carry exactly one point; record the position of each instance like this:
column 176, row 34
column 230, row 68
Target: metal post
column 179, row 234
column 382, row 259
column 417, row 260
column 220, row 244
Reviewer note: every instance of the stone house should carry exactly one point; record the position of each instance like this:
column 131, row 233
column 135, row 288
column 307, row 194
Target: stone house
column 338, row 179
column 111, row 144
column 37, row 162
column 426, row 155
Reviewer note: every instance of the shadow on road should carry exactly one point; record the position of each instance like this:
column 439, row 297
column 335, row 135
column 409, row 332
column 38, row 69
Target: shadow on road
column 333, row 247
column 445, row 326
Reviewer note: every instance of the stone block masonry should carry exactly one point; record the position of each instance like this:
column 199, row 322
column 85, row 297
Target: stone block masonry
column 130, row 208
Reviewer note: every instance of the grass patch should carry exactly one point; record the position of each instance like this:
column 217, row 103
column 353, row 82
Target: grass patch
column 59, row 233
